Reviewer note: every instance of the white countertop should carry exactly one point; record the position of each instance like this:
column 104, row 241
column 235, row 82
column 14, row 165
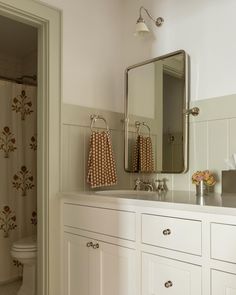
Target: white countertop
column 180, row 200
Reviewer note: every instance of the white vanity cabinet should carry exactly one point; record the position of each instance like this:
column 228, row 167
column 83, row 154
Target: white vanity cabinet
column 77, row 265
column 135, row 247
column 93, row 267
column 223, row 242
column 172, row 233
column 223, row 283
column 162, row 276
column 96, row 266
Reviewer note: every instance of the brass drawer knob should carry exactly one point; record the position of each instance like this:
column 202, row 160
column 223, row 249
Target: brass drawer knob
column 89, row 244
column 166, row 232
column 168, row 284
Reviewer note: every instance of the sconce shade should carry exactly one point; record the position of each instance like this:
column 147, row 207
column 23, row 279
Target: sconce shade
column 141, row 28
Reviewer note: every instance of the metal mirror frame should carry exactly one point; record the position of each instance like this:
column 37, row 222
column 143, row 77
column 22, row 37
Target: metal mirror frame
column 185, row 114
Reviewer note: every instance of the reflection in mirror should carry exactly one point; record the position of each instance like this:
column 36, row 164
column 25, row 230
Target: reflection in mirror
column 156, row 123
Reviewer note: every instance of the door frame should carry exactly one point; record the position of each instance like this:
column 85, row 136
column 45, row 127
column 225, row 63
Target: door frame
column 48, row 22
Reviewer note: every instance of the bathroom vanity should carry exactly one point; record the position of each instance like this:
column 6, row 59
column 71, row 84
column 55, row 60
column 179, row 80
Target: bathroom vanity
column 141, row 243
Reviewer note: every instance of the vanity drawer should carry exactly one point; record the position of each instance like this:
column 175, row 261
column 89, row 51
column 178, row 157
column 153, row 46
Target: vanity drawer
column 115, row 223
column 222, row 283
column 173, row 233
column 164, row 276
column 223, row 242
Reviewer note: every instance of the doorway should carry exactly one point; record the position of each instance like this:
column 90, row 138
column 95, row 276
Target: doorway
column 47, row 21
column 18, row 154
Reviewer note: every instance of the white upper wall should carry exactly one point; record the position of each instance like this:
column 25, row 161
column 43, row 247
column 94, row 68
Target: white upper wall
column 203, row 28
column 92, row 52
column 98, row 44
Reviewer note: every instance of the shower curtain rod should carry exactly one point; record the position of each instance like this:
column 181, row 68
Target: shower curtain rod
column 20, row 80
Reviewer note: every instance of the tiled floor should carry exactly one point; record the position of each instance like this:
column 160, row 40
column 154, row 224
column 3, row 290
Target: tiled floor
column 10, row 289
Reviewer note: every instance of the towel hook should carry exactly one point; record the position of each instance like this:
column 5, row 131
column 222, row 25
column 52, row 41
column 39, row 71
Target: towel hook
column 138, row 126
column 94, row 118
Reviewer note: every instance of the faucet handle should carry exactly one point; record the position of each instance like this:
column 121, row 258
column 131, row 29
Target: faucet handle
column 138, row 181
column 164, row 180
column 137, row 184
column 159, row 186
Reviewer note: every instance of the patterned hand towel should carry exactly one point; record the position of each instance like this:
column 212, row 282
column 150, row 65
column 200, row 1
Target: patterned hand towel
column 143, row 155
column 101, row 162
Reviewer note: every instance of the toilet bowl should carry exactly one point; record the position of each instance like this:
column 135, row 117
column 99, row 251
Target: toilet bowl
column 25, row 251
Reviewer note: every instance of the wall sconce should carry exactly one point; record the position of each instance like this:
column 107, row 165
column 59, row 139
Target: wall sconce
column 141, row 27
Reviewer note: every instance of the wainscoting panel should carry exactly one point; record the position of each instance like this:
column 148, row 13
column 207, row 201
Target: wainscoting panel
column 75, row 146
column 232, row 136
column 218, row 149
column 212, row 139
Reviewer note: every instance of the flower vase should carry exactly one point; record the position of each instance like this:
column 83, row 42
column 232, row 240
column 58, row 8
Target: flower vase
column 201, row 189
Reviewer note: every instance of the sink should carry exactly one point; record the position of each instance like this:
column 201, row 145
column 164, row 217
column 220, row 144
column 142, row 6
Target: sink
column 126, row 193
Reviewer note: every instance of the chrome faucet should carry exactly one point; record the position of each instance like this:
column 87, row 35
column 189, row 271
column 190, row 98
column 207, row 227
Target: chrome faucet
column 148, row 186
column 143, row 185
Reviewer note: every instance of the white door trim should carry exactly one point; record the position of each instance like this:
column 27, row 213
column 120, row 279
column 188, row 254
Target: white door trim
column 48, row 22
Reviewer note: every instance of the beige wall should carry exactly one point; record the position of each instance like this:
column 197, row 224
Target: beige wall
column 10, row 66
column 14, row 67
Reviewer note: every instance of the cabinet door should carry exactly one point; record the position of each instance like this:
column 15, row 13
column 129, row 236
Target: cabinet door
column 223, row 242
column 118, row 270
column 161, row 276
column 223, row 283
column 77, row 265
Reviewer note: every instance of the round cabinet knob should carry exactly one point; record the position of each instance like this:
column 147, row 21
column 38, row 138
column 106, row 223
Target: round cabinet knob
column 89, row 244
column 166, row 232
column 168, row 284
column 95, row 246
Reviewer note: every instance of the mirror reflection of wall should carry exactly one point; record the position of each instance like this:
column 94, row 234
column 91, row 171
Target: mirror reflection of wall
column 155, row 99
column 173, row 93
column 142, row 86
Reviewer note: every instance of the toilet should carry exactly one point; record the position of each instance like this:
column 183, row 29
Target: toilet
column 25, row 251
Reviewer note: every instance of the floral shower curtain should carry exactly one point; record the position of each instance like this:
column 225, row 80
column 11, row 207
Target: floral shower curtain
column 18, row 193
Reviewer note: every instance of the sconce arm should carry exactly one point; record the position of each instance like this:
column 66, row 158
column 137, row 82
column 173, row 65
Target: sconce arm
column 194, row 111
column 157, row 21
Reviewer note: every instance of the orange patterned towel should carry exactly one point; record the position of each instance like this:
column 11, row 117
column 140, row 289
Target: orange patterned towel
column 101, row 162
column 143, row 155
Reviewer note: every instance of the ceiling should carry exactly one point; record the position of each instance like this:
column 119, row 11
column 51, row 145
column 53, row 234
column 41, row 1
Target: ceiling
column 17, row 39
